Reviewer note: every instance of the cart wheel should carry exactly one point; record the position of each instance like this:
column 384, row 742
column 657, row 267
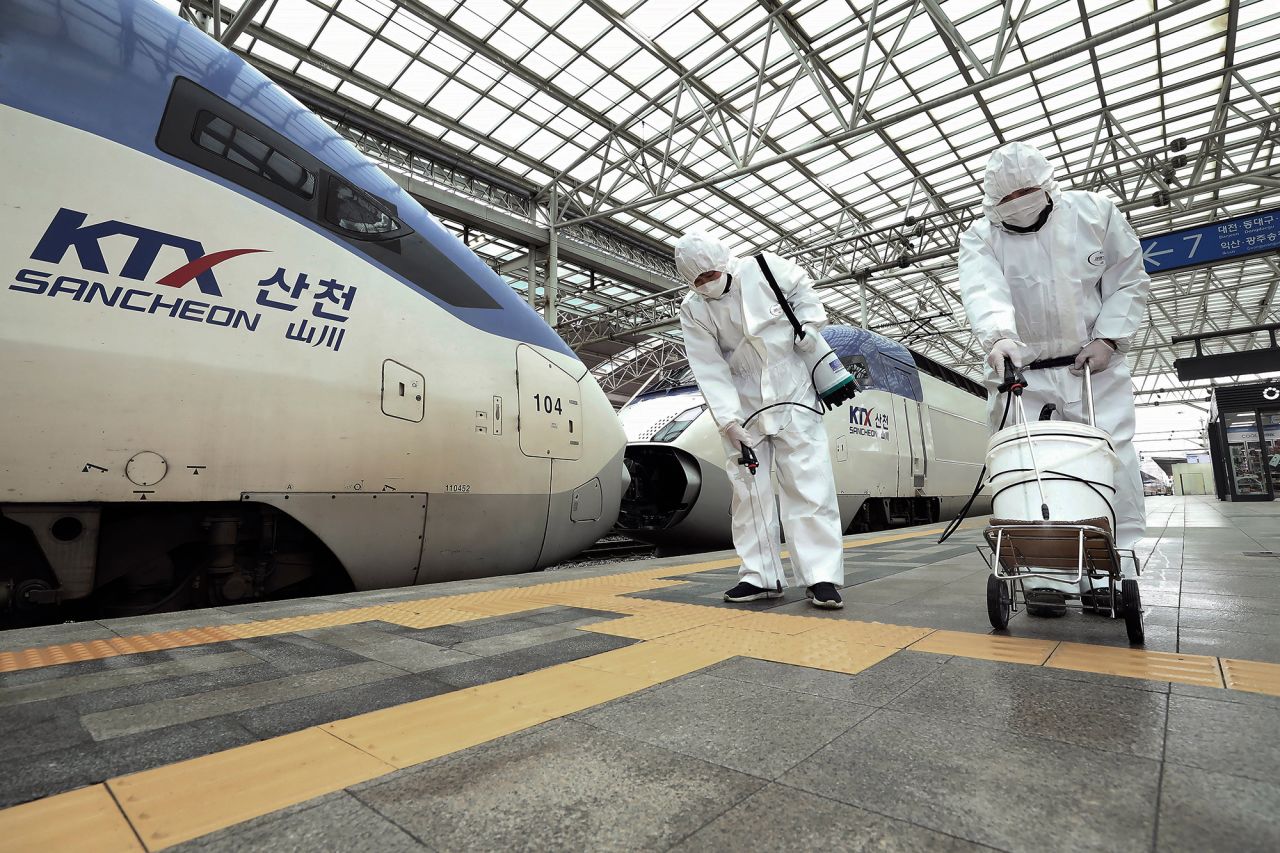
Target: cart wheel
column 1132, row 610
column 997, row 602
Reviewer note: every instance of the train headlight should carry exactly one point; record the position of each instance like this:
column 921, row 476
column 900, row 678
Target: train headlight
column 679, row 424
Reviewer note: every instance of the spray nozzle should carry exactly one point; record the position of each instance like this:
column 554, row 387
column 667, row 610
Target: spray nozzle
column 1014, row 381
column 749, row 459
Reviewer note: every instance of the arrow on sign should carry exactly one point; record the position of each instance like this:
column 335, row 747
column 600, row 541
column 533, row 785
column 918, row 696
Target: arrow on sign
column 1150, row 254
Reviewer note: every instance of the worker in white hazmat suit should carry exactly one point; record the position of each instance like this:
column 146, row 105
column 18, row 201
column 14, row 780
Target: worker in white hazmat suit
column 747, row 358
column 1047, row 274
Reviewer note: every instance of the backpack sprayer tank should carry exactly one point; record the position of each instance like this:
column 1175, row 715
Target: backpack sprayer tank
column 831, row 380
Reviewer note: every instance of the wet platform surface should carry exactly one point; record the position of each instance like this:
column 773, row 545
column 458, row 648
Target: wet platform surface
column 629, row 707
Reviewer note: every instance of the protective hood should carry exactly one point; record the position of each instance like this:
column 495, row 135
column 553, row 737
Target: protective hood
column 697, row 253
column 1012, row 167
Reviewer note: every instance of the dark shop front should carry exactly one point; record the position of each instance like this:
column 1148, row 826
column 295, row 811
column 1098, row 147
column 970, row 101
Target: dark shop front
column 1244, row 439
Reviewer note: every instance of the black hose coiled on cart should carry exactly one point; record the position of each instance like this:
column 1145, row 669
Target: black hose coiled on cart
column 954, row 524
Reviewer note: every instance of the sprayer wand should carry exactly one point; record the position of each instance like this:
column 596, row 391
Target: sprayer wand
column 1014, row 383
column 748, row 458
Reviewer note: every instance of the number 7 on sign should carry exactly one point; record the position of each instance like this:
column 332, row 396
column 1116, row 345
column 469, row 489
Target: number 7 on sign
column 1195, row 243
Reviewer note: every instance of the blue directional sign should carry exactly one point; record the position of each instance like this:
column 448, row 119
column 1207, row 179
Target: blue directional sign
column 1208, row 244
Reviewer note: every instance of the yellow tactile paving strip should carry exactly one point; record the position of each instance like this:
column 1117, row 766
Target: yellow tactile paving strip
column 178, row 802
column 87, row 818
column 1252, row 676
column 987, row 647
column 1138, row 663
column 171, row 804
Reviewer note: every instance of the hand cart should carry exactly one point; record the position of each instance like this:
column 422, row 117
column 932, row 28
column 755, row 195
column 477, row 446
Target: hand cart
column 1062, row 552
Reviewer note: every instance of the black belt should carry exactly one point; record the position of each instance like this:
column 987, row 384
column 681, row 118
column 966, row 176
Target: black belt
column 1045, row 364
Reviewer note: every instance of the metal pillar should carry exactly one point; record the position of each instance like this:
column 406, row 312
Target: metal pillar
column 552, row 316
column 533, row 278
column 862, row 300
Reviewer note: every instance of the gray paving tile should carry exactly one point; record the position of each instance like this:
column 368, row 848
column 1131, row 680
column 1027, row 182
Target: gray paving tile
column 945, row 572
column 1215, row 570
column 1007, row 790
column 1229, row 644
column 1214, row 694
column 759, row 730
column 171, row 688
column 75, row 685
column 496, row 667
column 1265, row 585
column 972, row 617
column 562, row 786
column 784, row 819
column 450, row 635
column 262, row 610
column 1202, row 811
column 296, row 654
column 35, row 727
column 17, row 639
column 371, row 642
column 1022, row 699
column 523, row 639
column 156, row 715
column 1224, row 737
column 339, row 822
column 28, row 776
column 154, row 623
column 960, row 596
column 876, row 686
column 557, row 615
column 894, row 590
column 1229, row 605
column 296, row 714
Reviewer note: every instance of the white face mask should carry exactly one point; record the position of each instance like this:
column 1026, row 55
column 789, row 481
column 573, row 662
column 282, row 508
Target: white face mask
column 715, row 288
column 1023, row 212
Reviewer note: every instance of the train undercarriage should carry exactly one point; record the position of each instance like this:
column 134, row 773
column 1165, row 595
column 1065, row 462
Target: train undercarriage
column 87, row 561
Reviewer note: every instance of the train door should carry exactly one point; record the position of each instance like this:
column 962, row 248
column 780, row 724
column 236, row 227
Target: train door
column 913, row 447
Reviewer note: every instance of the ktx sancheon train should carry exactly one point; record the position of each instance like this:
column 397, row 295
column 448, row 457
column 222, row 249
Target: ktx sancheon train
column 239, row 360
column 907, row 449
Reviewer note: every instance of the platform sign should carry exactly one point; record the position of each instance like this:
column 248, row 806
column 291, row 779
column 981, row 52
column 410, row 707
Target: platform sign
column 1208, row 244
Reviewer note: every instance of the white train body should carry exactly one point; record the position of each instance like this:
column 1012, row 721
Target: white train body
column 908, row 449
column 213, row 381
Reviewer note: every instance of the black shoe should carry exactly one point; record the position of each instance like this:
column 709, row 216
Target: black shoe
column 825, row 595
column 750, row 592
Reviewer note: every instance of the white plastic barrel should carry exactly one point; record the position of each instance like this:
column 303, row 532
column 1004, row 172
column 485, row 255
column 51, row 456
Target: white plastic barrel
column 1061, row 448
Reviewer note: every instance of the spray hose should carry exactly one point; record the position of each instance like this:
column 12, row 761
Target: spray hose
column 817, row 410
column 954, row 524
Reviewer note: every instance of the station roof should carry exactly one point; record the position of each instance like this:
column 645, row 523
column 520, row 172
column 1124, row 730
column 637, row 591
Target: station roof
column 846, row 134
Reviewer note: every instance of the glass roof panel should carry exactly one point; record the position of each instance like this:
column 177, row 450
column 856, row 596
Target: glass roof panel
column 297, row 20
column 368, row 13
column 340, row 41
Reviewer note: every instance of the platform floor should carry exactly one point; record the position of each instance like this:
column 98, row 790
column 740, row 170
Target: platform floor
column 628, row 707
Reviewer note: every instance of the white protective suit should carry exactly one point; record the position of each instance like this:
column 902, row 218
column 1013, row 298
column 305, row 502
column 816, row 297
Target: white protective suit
column 742, row 350
column 1078, row 278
